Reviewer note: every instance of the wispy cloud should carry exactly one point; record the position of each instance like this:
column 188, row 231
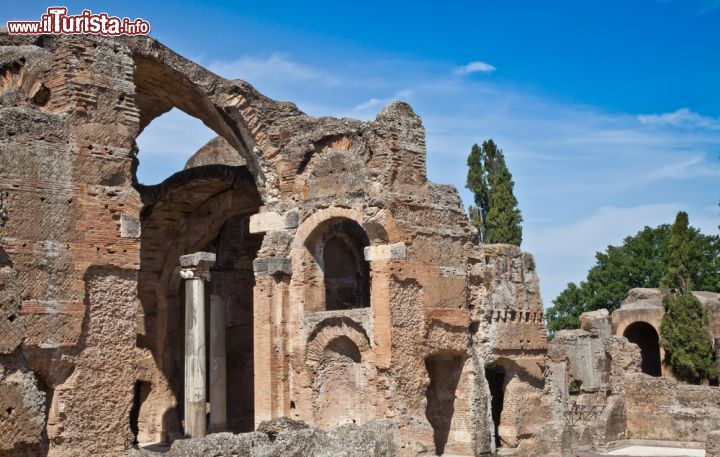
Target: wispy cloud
column 608, row 225
column 695, row 166
column 682, row 117
column 373, row 104
column 702, row 6
column 708, row 5
column 474, row 67
column 276, row 66
column 584, row 177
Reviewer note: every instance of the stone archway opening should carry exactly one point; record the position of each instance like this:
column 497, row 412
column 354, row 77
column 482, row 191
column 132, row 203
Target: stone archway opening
column 444, row 370
column 206, row 207
column 496, row 379
column 646, row 337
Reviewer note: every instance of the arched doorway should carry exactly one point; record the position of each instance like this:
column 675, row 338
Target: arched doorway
column 204, row 208
column 646, row 337
column 207, row 207
column 495, row 375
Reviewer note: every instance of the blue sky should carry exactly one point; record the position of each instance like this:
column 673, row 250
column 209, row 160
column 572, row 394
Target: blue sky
column 608, row 111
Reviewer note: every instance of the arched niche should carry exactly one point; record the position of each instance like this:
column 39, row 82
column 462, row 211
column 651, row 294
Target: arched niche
column 335, row 272
column 647, row 339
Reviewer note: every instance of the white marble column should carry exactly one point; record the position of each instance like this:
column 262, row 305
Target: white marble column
column 195, row 270
column 218, row 379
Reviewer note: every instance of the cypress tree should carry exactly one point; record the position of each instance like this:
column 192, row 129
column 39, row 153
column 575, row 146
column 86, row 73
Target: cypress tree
column 478, row 184
column 688, row 346
column 676, row 276
column 495, row 213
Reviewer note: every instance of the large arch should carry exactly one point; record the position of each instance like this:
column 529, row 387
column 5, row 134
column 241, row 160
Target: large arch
column 202, row 208
column 160, row 86
column 236, row 111
column 647, row 338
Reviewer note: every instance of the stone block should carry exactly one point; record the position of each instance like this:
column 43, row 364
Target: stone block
column 129, row 227
column 197, row 259
column 270, row 220
column 272, row 265
column 394, row 251
column 596, row 322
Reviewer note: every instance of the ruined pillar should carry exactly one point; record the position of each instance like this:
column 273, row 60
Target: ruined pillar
column 195, row 270
column 218, row 377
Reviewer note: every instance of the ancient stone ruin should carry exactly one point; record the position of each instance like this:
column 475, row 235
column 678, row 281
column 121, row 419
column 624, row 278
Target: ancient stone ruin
column 297, row 268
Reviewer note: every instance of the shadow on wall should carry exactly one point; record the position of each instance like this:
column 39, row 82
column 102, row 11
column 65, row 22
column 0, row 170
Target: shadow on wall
column 495, row 376
column 444, row 370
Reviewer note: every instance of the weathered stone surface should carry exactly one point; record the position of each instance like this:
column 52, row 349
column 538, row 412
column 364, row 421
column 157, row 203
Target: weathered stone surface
column 712, row 444
column 596, row 322
column 22, row 410
column 395, row 251
column 216, row 151
column 270, row 220
column 286, row 438
column 663, row 409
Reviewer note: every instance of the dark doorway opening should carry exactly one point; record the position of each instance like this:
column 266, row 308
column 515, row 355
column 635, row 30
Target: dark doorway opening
column 141, row 392
column 444, row 370
column 495, row 376
column 646, row 337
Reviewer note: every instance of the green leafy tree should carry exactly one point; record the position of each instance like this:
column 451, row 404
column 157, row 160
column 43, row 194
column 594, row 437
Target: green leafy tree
column 683, row 335
column 566, row 314
column 495, row 212
column 641, row 261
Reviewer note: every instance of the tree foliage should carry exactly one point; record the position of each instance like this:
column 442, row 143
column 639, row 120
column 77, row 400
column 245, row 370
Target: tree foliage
column 641, row 261
column 495, row 212
column 683, row 335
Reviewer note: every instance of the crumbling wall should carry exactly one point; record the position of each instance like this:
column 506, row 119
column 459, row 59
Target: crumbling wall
column 712, row 444
column 615, row 400
column 664, row 409
column 508, row 331
column 96, row 260
column 585, row 386
column 70, row 110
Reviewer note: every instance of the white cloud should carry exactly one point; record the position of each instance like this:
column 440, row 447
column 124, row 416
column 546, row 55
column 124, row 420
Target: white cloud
column 682, row 117
column 608, row 225
column 371, row 103
column 475, row 67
